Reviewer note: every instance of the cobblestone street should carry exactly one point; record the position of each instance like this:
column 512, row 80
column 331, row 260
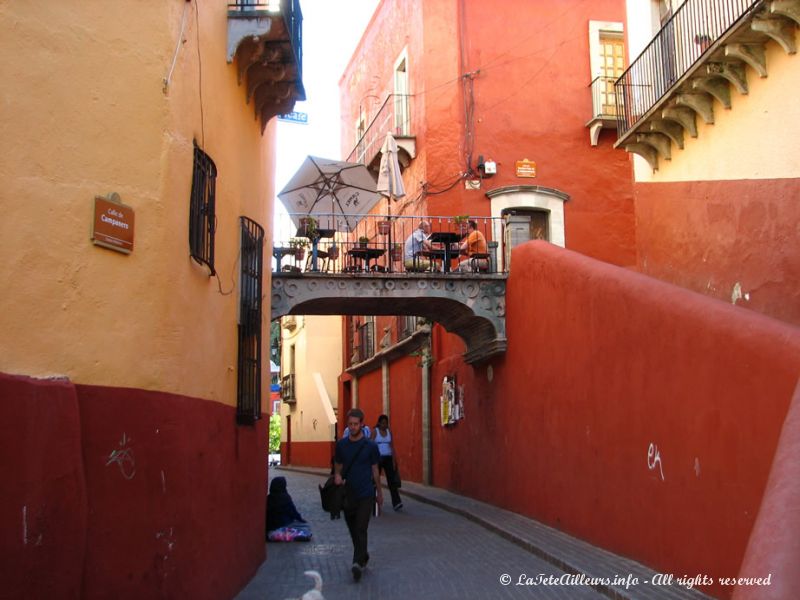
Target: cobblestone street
column 420, row 552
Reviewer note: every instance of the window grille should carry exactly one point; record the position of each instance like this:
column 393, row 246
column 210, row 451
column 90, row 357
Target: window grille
column 287, row 388
column 406, row 326
column 202, row 215
column 248, row 396
column 366, row 339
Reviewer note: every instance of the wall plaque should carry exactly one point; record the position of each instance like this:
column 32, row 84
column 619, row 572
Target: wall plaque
column 526, row 168
column 113, row 224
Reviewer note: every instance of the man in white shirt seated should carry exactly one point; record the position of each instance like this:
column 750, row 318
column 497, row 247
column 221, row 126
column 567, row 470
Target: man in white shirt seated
column 417, row 242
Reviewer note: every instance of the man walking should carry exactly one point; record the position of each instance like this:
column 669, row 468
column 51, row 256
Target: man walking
column 356, row 462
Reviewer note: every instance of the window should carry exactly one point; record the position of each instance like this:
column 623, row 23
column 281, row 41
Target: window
column 202, row 216
column 406, row 326
column 366, row 338
column 248, row 395
column 401, row 108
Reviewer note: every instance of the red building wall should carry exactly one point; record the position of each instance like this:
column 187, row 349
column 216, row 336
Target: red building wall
column 606, row 371
column 128, row 493
column 755, row 240
column 529, row 81
column 405, row 393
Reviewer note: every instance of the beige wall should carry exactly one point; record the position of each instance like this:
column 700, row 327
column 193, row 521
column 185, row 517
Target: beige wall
column 318, row 350
column 84, row 114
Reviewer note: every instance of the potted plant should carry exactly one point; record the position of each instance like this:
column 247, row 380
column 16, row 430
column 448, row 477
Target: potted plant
column 363, row 241
column 308, row 226
column 299, row 245
column 384, row 227
column 461, row 222
column 396, row 252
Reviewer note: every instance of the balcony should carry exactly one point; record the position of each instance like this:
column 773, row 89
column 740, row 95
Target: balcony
column 604, row 107
column 694, row 59
column 395, row 115
column 287, row 389
column 265, row 39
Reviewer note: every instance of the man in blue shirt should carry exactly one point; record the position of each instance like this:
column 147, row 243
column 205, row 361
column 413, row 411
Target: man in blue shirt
column 415, row 243
column 356, row 463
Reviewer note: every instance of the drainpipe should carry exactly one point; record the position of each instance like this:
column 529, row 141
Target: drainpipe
column 426, row 411
column 354, row 391
column 385, row 374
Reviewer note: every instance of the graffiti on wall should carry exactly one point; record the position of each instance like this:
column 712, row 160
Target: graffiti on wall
column 123, row 457
column 654, row 460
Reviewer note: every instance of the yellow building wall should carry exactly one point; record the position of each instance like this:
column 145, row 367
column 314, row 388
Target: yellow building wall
column 755, row 139
column 318, row 349
column 84, row 113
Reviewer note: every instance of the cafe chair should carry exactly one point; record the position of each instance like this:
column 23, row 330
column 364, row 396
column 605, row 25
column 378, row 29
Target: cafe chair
column 479, row 262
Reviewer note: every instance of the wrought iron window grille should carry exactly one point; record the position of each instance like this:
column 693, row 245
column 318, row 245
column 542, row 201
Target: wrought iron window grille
column 248, row 393
column 202, row 209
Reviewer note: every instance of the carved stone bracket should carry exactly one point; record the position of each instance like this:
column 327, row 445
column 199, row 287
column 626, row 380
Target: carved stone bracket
column 716, row 86
column 670, row 129
column 470, row 306
column 699, row 103
column 658, row 141
column 646, row 151
column 753, row 54
column 779, row 29
column 685, row 117
column 786, row 8
column 734, row 72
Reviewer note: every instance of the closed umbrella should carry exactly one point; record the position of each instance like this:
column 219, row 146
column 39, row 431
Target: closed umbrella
column 390, row 181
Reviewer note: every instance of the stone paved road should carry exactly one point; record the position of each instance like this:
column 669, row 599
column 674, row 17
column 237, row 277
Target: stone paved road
column 420, row 552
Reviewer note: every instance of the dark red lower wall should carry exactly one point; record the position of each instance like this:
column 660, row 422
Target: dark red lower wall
column 309, row 454
column 370, row 397
column 405, row 415
column 612, row 379
column 709, row 235
column 43, row 504
column 162, row 495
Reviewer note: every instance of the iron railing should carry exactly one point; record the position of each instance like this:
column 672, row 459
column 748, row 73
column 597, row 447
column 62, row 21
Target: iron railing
column 604, row 104
column 292, row 19
column 394, row 115
column 691, row 32
column 377, row 244
column 406, row 325
column 248, row 394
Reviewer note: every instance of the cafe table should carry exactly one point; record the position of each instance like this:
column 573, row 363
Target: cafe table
column 319, row 234
column 279, row 252
column 366, row 254
column 447, row 239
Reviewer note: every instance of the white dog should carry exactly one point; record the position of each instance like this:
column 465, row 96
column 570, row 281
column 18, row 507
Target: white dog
column 316, row 593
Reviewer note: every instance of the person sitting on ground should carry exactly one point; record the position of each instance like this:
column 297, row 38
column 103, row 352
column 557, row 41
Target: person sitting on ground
column 417, row 242
column 284, row 522
column 474, row 243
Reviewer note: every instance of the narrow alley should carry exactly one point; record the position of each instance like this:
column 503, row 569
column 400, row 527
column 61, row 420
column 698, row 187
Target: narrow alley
column 425, row 551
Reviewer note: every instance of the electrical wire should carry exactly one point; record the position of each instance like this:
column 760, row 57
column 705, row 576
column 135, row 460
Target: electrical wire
column 178, row 44
column 200, row 75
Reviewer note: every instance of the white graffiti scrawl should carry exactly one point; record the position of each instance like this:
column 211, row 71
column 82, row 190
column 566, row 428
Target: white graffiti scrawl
column 123, row 456
column 654, row 459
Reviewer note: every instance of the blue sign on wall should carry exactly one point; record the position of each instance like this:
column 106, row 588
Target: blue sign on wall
column 295, row 117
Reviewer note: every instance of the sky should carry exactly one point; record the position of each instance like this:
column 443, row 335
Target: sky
column 331, row 31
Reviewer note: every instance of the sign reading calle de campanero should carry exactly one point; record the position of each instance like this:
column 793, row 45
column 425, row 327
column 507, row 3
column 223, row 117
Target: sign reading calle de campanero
column 526, row 168
column 113, row 224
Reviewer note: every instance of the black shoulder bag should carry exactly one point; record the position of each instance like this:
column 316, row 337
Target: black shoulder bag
column 333, row 496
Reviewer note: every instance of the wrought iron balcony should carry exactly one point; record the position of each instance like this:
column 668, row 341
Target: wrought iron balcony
column 265, row 38
column 697, row 55
column 287, row 388
column 604, row 107
column 395, row 115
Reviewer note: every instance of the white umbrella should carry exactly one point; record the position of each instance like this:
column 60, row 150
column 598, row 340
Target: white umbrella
column 390, row 182
column 341, row 193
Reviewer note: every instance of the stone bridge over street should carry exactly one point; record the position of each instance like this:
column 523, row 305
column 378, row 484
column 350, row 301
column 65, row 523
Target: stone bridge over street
column 471, row 306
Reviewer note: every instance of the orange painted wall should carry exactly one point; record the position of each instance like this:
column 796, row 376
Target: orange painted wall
column 309, row 454
column 754, row 240
column 603, row 362
column 405, row 416
column 370, row 397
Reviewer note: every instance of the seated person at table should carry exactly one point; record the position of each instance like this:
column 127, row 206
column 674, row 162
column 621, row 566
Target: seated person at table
column 417, row 242
column 474, row 243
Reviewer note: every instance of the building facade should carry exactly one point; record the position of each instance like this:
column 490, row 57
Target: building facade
column 137, row 173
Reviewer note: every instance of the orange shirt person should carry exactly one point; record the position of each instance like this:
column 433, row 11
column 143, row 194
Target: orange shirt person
column 474, row 243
